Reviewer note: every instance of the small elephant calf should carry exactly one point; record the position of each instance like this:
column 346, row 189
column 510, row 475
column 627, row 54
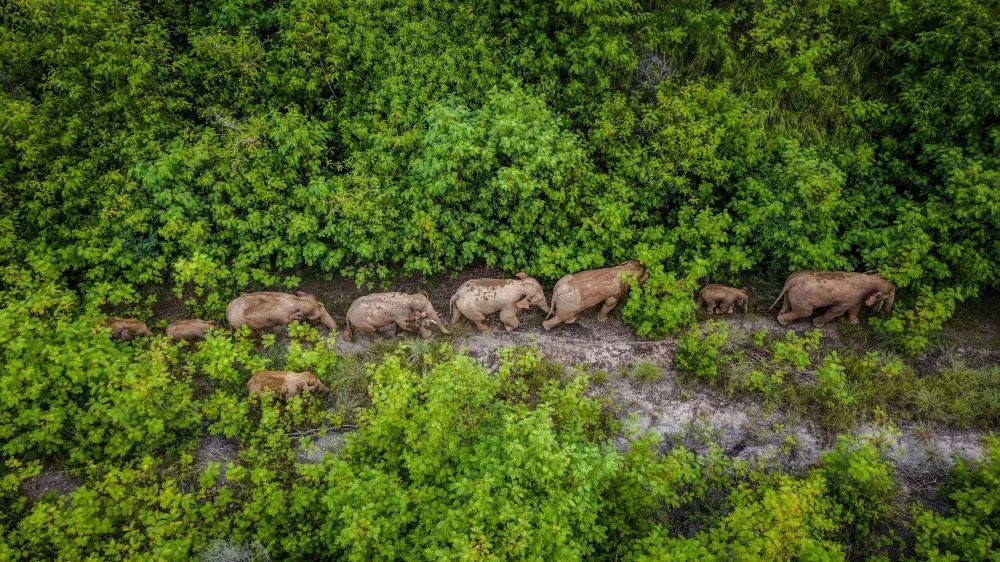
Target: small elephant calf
column 190, row 330
column 285, row 383
column 719, row 299
column 127, row 329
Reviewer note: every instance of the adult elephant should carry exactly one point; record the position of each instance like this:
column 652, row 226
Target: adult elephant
column 477, row 298
column 579, row 291
column 267, row 310
column 376, row 311
column 841, row 291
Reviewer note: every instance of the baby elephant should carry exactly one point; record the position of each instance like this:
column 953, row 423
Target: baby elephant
column 127, row 329
column 720, row 298
column 285, row 383
column 190, row 330
column 478, row 297
column 379, row 310
column 265, row 311
column 577, row 292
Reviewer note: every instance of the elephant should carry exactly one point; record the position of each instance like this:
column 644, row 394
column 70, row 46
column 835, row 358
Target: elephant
column 577, row 292
column 265, row 311
column 379, row 310
column 190, row 330
column 723, row 299
column 842, row 291
column 127, row 329
column 286, row 383
column 477, row 298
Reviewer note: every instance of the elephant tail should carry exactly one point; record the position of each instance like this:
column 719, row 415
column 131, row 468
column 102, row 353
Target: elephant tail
column 780, row 295
column 451, row 309
column 555, row 294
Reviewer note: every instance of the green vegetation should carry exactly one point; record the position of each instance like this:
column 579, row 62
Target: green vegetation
column 222, row 145
column 448, row 460
column 211, row 147
column 798, row 374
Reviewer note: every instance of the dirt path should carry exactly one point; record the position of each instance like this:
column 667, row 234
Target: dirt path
column 692, row 415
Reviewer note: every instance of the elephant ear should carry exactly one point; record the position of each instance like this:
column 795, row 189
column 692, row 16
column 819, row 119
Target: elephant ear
column 872, row 297
column 521, row 275
column 523, row 303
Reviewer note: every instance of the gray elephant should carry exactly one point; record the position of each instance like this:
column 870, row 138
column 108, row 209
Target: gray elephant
column 376, row 311
column 127, row 329
column 841, row 291
column 285, row 383
column 190, row 330
column 723, row 299
column 266, row 310
column 579, row 291
column 477, row 298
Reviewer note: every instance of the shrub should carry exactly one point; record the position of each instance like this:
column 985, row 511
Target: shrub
column 969, row 530
column 645, row 372
column 698, row 350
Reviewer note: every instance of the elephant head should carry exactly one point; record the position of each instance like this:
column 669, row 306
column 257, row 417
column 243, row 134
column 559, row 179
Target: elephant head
column 313, row 384
column 533, row 293
column 421, row 308
column 635, row 269
column 881, row 290
column 315, row 311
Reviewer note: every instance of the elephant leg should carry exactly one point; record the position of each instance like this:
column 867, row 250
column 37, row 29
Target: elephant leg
column 852, row 314
column 477, row 318
column 834, row 312
column 786, row 317
column 369, row 331
column 607, row 307
column 710, row 306
column 785, row 307
column 552, row 322
column 508, row 315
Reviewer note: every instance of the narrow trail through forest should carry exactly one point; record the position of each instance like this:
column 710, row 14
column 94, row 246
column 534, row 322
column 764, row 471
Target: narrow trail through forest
column 692, row 414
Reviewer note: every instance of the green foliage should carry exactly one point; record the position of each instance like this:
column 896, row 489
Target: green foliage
column 68, row 390
column 645, row 372
column 223, row 146
column 698, row 349
column 862, row 483
column 971, row 529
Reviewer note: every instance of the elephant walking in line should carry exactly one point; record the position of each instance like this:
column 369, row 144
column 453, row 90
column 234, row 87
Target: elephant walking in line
column 127, row 329
column 373, row 312
column 477, row 298
column 266, row 310
column 722, row 299
column 841, row 291
column 190, row 330
column 285, row 383
column 579, row 291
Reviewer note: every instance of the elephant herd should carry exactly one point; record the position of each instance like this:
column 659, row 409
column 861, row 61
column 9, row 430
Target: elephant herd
column 804, row 292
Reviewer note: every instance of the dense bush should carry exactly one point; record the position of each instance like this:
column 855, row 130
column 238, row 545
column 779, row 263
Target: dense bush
column 219, row 144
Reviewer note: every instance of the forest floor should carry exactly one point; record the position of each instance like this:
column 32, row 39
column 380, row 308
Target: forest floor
column 691, row 413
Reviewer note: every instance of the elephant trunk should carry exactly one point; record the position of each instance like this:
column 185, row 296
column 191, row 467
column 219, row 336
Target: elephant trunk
column 888, row 303
column 437, row 320
column 746, row 306
column 327, row 320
